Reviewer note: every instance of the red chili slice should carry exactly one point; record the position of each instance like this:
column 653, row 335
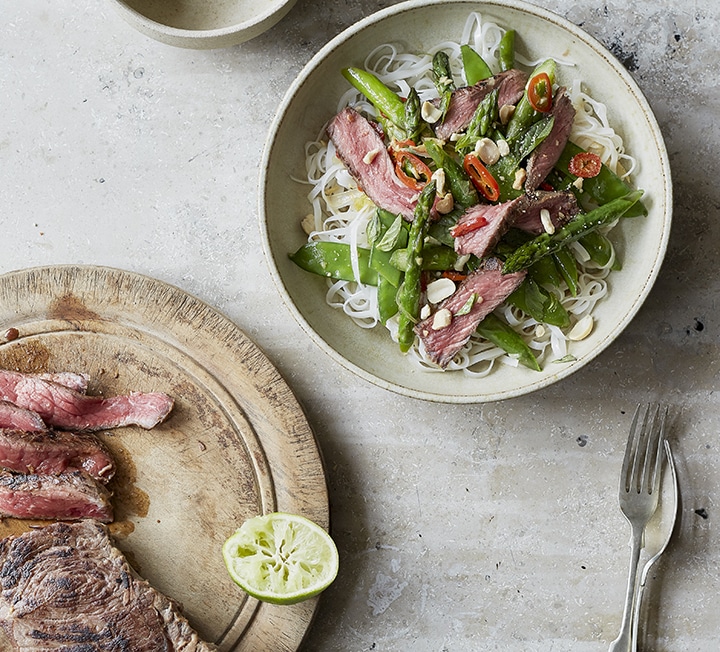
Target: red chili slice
column 472, row 224
column 585, row 165
column 539, row 92
column 421, row 173
column 481, row 177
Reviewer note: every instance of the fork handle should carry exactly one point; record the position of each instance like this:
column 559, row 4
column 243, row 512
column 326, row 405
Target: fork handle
column 625, row 642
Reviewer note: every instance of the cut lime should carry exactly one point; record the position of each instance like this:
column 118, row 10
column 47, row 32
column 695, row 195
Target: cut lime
column 281, row 558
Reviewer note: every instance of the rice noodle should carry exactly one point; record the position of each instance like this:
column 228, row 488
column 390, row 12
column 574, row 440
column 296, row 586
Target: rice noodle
column 340, row 212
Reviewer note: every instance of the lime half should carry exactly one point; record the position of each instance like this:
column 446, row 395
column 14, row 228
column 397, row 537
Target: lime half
column 281, row 558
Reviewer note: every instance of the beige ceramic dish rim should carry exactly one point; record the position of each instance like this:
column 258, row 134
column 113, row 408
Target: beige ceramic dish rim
column 485, row 387
column 205, row 39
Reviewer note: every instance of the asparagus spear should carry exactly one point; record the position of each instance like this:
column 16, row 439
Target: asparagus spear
column 408, row 296
column 546, row 244
column 443, row 80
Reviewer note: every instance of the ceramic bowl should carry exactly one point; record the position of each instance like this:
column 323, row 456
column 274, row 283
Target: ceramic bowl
column 200, row 24
column 313, row 99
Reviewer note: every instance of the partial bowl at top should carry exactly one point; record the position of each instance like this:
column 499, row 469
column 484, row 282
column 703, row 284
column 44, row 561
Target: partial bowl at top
column 313, row 99
column 203, row 24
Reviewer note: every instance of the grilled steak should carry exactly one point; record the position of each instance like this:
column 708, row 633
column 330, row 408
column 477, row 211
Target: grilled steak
column 66, row 587
column 65, row 496
column 480, row 228
column 548, row 152
column 491, row 287
column 12, row 416
column 561, row 207
column 465, row 100
column 62, row 407
column 55, row 451
column 362, row 150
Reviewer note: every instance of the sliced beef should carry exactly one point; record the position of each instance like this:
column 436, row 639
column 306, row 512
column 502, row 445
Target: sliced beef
column 62, row 407
column 491, row 287
column 561, row 206
column 54, row 452
column 65, row 496
column 12, row 416
column 543, row 159
column 362, row 150
column 67, row 587
column 480, row 228
column 78, row 382
column 465, row 100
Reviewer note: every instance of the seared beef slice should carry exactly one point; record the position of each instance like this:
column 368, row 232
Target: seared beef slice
column 66, row 587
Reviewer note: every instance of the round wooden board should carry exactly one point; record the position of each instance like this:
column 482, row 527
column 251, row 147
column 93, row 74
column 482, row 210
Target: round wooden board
column 236, row 444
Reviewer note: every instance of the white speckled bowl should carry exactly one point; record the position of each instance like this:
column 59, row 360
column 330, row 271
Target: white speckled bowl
column 203, row 24
column 312, row 100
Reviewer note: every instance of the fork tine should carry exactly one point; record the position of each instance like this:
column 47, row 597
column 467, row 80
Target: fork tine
column 633, row 449
column 658, row 435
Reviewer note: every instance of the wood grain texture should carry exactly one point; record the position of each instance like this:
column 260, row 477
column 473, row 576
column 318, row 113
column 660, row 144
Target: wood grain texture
column 236, row 444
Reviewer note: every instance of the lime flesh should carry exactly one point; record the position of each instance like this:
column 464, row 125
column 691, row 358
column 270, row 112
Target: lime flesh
column 281, row 558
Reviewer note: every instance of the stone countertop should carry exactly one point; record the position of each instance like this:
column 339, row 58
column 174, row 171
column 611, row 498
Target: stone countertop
column 480, row 527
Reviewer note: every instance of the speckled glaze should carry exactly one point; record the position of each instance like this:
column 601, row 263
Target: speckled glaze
column 312, row 100
column 203, row 24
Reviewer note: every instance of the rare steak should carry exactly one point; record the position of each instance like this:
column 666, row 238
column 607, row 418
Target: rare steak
column 55, row 451
column 66, row 587
column 12, row 416
column 66, row 496
column 65, row 408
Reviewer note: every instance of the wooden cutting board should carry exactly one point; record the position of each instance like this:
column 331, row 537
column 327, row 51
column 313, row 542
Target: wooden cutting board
column 236, row 444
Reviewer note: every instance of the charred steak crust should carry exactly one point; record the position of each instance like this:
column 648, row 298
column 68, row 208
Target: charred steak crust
column 65, row 496
column 67, row 587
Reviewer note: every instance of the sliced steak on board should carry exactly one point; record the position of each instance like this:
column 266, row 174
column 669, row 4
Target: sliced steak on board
column 65, row 496
column 66, row 587
column 55, row 451
column 12, row 416
column 64, row 408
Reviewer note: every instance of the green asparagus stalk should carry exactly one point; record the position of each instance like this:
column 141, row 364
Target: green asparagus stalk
column 443, row 80
column 408, row 295
column 546, row 244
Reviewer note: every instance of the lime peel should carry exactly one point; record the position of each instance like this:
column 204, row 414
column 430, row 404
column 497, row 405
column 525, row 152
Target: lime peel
column 281, row 558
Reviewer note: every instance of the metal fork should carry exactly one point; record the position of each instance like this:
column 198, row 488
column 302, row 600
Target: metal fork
column 639, row 492
column 651, row 562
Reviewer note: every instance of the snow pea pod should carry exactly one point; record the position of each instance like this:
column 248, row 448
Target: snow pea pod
column 506, row 50
column 386, row 296
column 334, row 260
column 538, row 303
column 495, row 330
column 474, row 66
column 383, row 98
column 601, row 189
column 600, row 249
column 567, row 266
column 434, row 258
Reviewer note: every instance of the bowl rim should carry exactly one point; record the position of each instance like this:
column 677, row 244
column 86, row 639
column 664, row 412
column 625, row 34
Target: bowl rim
column 598, row 48
column 152, row 26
